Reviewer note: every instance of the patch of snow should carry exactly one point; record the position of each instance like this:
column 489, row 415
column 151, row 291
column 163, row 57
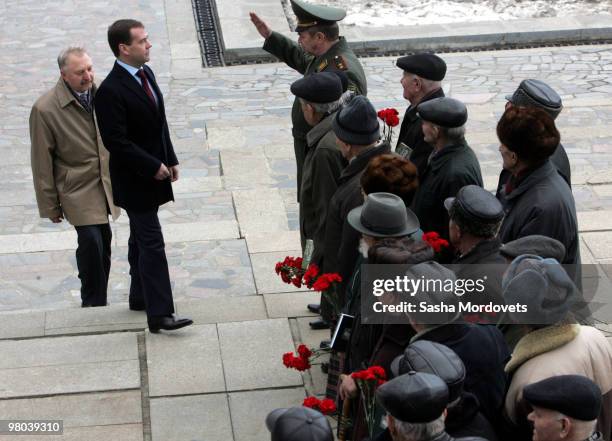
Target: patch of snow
column 380, row 13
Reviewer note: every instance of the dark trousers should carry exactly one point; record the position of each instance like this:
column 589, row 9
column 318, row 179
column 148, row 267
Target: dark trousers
column 150, row 279
column 93, row 256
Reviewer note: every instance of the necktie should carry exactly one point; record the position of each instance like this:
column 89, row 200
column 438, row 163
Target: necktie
column 84, row 100
column 146, row 87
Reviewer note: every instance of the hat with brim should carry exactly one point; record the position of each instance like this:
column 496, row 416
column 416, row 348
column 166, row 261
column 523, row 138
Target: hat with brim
column 298, row 424
column 383, row 215
column 309, row 15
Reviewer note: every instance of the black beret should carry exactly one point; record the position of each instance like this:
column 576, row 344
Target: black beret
column 535, row 244
column 414, row 397
column 443, row 112
column 322, row 87
column 536, row 93
column 573, row 395
column 477, row 204
column 428, row 66
column 298, row 424
column 432, row 358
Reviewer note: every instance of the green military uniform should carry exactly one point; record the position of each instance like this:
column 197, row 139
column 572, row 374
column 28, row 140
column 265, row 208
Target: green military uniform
column 338, row 57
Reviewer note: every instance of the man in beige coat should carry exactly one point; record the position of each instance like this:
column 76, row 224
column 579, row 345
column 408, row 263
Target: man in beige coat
column 70, row 169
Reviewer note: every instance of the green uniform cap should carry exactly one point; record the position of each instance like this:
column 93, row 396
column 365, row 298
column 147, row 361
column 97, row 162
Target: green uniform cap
column 310, row 15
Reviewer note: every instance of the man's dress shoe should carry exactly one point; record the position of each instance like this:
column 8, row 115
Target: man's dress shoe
column 315, row 308
column 319, row 324
column 169, row 323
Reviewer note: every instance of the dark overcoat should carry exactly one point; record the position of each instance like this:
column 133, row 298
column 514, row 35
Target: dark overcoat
column 452, row 168
column 411, row 134
column 320, row 179
column 543, row 204
column 135, row 132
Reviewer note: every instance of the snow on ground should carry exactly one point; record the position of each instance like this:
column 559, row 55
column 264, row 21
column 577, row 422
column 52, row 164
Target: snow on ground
column 382, row 13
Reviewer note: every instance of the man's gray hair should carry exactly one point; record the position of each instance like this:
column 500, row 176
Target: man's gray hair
column 62, row 58
column 419, row 431
column 323, row 108
column 428, row 85
column 453, row 134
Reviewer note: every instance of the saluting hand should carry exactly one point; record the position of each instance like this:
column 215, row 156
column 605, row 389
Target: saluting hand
column 263, row 29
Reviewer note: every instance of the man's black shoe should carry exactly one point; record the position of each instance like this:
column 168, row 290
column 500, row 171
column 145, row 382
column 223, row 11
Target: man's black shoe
column 315, row 308
column 137, row 307
column 319, row 324
column 168, row 323
column 325, row 344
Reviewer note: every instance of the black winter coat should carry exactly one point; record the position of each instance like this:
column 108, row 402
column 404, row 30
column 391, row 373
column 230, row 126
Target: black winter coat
column 136, row 134
column 342, row 240
column 411, row 134
column 452, row 168
column 542, row 204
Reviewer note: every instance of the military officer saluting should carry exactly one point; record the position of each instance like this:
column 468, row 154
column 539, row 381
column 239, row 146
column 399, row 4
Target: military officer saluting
column 319, row 48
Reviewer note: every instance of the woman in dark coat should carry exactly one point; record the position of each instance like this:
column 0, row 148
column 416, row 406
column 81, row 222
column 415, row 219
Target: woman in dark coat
column 536, row 199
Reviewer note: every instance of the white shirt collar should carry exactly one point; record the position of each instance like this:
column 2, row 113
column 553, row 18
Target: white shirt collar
column 131, row 69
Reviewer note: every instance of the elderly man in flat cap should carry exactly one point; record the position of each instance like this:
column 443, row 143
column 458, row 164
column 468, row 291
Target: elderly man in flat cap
column 358, row 137
column 463, row 416
column 415, row 404
column 552, row 343
column 481, row 348
column 319, row 48
column 421, row 81
column 319, row 96
column 536, row 93
column 298, row 424
column 565, row 408
column 475, row 217
column 451, row 166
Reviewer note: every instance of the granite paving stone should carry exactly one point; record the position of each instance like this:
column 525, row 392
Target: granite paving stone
column 123, row 432
column 89, row 320
column 81, row 410
column 291, row 304
column 309, row 337
column 195, row 417
column 600, row 244
column 184, row 362
column 22, row 324
column 258, row 363
column 249, row 410
column 260, row 211
column 222, row 309
column 271, row 242
column 68, row 365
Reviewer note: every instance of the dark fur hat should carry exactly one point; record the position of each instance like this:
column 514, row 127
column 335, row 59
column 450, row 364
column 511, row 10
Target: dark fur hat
column 391, row 173
column 529, row 132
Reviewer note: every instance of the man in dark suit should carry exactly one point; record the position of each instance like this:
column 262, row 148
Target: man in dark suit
column 131, row 116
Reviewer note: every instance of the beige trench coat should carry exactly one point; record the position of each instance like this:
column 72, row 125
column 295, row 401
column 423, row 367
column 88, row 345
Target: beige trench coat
column 69, row 161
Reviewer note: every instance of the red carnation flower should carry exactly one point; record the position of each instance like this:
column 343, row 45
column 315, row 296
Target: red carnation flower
column 304, row 351
column 325, row 280
column 311, row 273
column 327, row 406
column 312, row 402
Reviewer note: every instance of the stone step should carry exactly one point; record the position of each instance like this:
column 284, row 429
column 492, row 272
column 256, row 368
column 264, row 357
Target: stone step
column 117, row 317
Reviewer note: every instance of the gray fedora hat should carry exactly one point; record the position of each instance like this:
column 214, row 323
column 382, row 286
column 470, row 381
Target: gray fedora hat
column 383, row 215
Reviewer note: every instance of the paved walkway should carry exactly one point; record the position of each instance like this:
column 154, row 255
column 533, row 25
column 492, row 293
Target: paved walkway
column 234, row 217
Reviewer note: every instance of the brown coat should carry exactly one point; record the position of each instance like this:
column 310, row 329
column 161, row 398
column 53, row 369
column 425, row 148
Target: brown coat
column 69, row 161
column 561, row 350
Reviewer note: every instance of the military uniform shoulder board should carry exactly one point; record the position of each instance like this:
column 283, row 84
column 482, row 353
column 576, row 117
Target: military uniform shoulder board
column 322, row 65
column 340, row 62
